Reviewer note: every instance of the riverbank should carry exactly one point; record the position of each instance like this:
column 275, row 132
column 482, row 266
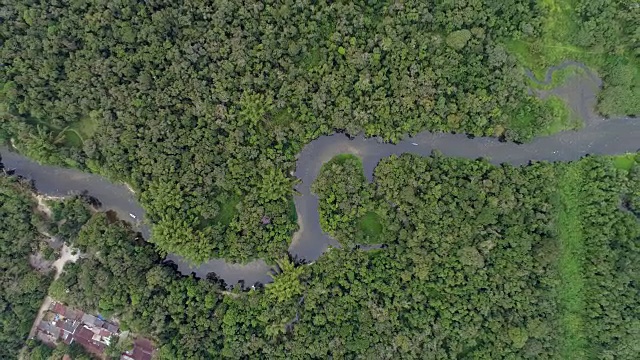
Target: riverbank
column 599, row 136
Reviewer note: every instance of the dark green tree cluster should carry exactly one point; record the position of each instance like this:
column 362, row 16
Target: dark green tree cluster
column 22, row 289
column 612, row 259
column 193, row 102
column 36, row 350
column 67, row 217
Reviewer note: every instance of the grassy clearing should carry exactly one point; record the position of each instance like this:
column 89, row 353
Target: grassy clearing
column 573, row 343
column 370, row 226
column 563, row 117
column 626, row 162
column 228, row 211
column 73, row 135
column 85, row 127
column 72, row 138
column 291, row 211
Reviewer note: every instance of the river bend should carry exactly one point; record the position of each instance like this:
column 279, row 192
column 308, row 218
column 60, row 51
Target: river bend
column 598, row 136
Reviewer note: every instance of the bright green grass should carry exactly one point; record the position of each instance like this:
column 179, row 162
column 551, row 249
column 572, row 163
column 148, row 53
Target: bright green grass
column 570, row 294
column 563, row 117
column 341, row 158
column 85, row 127
column 228, row 211
column 291, row 211
column 370, row 226
column 626, row 162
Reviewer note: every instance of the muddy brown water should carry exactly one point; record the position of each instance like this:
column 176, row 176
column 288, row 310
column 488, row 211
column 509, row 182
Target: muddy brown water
column 599, row 136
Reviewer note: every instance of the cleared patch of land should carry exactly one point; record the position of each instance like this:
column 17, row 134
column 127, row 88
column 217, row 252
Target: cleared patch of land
column 571, row 290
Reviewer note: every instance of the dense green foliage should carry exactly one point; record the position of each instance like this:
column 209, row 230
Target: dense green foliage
column 196, row 102
column 473, row 269
column 612, row 259
column 202, row 107
column 611, row 26
column 36, row 350
column 21, row 287
column 67, row 217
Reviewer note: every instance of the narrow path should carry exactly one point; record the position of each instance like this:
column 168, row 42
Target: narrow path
column 43, row 308
column 549, row 75
column 66, row 255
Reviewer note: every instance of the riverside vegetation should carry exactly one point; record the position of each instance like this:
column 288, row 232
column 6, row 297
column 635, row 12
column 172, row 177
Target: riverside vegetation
column 479, row 262
column 202, row 106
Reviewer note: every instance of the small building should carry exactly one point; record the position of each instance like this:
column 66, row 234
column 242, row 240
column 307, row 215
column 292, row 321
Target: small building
column 142, row 350
column 111, row 328
column 89, row 319
column 49, row 328
column 84, row 336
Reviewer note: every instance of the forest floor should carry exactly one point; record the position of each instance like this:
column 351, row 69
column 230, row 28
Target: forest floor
column 570, row 294
column 67, row 254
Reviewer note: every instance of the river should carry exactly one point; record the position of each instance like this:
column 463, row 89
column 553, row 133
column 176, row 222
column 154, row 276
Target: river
column 598, row 136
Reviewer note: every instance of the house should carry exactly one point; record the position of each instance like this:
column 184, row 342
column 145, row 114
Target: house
column 50, row 329
column 68, row 326
column 73, row 325
column 85, row 337
column 142, row 350
column 110, row 327
column 89, row 319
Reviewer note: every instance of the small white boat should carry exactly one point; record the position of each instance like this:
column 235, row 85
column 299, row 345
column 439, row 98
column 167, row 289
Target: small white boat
column 133, row 216
column 414, row 144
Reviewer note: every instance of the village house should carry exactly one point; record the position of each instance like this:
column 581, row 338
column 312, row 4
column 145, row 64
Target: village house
column 71, row 325
column 94, row 334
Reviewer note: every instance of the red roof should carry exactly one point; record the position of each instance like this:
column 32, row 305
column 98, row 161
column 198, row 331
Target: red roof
column 83, row 337
column 59, row 309
column 142, row 349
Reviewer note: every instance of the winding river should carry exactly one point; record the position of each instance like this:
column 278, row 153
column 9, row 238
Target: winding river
column 598, row 136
